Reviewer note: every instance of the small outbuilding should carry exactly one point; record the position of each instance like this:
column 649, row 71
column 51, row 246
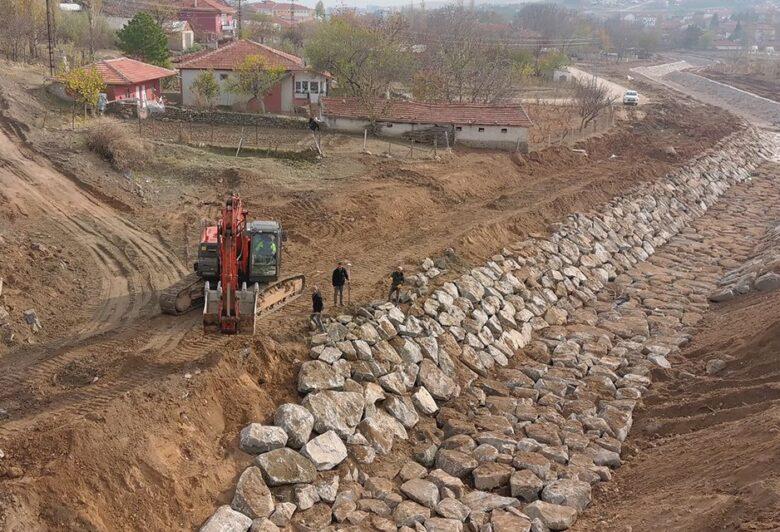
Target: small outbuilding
column 128, row 79
column 180, row 35
column 477, row 125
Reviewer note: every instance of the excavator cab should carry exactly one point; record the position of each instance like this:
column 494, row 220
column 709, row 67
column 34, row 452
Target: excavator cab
column 265, row 245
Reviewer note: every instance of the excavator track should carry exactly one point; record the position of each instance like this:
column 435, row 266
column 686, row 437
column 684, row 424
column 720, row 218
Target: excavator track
column 183, row 296
column 276, row 295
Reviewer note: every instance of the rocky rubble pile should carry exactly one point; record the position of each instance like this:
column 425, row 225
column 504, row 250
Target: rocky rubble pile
column 513, row 385
column 761, row 272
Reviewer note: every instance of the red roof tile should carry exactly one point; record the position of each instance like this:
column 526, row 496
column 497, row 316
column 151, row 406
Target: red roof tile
column 124, row 70
column 210, row 6
column 430, row 113
column 231, row 55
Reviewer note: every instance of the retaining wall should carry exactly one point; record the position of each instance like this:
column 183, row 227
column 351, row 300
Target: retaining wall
column 527, row 418
column 222, row 117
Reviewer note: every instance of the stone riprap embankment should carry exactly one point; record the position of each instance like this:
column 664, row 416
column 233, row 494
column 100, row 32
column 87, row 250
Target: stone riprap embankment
column 659, row 71
column 761, row 272
column 737, row 99
column 513, row 386
column 756, row 108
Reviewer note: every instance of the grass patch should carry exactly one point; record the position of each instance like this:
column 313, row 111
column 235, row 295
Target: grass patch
column 112, row 141
column 307, row 155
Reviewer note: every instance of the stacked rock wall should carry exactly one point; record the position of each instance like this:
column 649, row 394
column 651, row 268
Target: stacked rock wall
column 511, row 415
column 761, row 272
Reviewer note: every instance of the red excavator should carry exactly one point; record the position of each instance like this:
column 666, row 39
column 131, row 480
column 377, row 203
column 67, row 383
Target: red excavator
column 238, row 263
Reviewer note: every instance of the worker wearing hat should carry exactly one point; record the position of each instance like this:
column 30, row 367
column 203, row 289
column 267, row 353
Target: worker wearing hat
column 395, row 285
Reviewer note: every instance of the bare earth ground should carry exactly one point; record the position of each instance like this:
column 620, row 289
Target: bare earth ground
column 702, row 454
column 119, row 418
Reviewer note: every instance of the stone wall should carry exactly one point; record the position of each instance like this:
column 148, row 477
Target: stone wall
column 514, row 385
column 758, row 106
column 761, row 272
column 186, row 114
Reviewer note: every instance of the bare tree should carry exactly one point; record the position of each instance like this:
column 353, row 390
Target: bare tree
column 93, row 8
column 591, row 98
column 461, row 62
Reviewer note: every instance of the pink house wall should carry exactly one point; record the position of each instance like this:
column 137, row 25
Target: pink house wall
column 124, row 92
column 205, row 22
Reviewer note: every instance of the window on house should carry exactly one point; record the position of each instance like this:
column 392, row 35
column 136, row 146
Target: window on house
column 482, row 130
column 458, row 128
column 223, row 77
column 388, row 125
column 314, row 87
column 302, row 87
column 503, row 130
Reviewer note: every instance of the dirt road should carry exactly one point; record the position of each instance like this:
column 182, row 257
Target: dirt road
column 616, row 90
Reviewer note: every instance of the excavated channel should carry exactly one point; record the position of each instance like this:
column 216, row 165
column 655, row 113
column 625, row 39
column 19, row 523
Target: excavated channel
column 500, row 399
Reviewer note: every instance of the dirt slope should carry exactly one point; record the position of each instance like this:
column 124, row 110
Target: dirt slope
column 703, row 451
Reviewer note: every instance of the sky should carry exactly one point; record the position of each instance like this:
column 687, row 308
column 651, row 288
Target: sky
column 386, row 3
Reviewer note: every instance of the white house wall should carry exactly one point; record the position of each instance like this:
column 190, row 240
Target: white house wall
column 287, row 94
column 226, row 97
column 490, row 137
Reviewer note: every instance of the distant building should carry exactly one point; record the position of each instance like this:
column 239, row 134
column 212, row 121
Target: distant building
column 299, row 87
column 726, row 45
column 211, row 20
column 180, row 35
column 283, row 13
column 128, row 79
column 477, row 125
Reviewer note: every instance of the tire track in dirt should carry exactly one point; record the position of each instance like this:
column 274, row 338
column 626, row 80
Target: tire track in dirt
column 130, row 266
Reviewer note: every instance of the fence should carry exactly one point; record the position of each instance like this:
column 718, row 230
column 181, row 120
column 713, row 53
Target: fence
column 277, row 142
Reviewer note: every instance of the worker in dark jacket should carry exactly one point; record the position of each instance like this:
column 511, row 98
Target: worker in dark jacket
column 395, row 285
column 317, row 306
column 339, row 279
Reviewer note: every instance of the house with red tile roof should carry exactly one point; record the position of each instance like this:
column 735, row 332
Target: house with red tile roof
column 299, row 87
column 471, row 124
column 127, row 78
column 211, row 20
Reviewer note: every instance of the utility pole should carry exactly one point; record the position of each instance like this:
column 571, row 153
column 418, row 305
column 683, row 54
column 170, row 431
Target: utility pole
column 239, row 19
column 48, row 36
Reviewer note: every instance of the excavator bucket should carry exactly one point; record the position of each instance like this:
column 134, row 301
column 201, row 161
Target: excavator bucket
column 251, row 303
column 247, row 309
column 211, row 302
column 224, row 318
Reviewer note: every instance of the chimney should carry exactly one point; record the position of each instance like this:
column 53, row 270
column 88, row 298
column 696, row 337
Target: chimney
column 195, row 3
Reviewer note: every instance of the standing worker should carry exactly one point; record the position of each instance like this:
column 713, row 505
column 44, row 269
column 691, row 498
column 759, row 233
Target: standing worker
column 314, row 127
column 317, row 306
column 395, row 285
column 340, row 277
